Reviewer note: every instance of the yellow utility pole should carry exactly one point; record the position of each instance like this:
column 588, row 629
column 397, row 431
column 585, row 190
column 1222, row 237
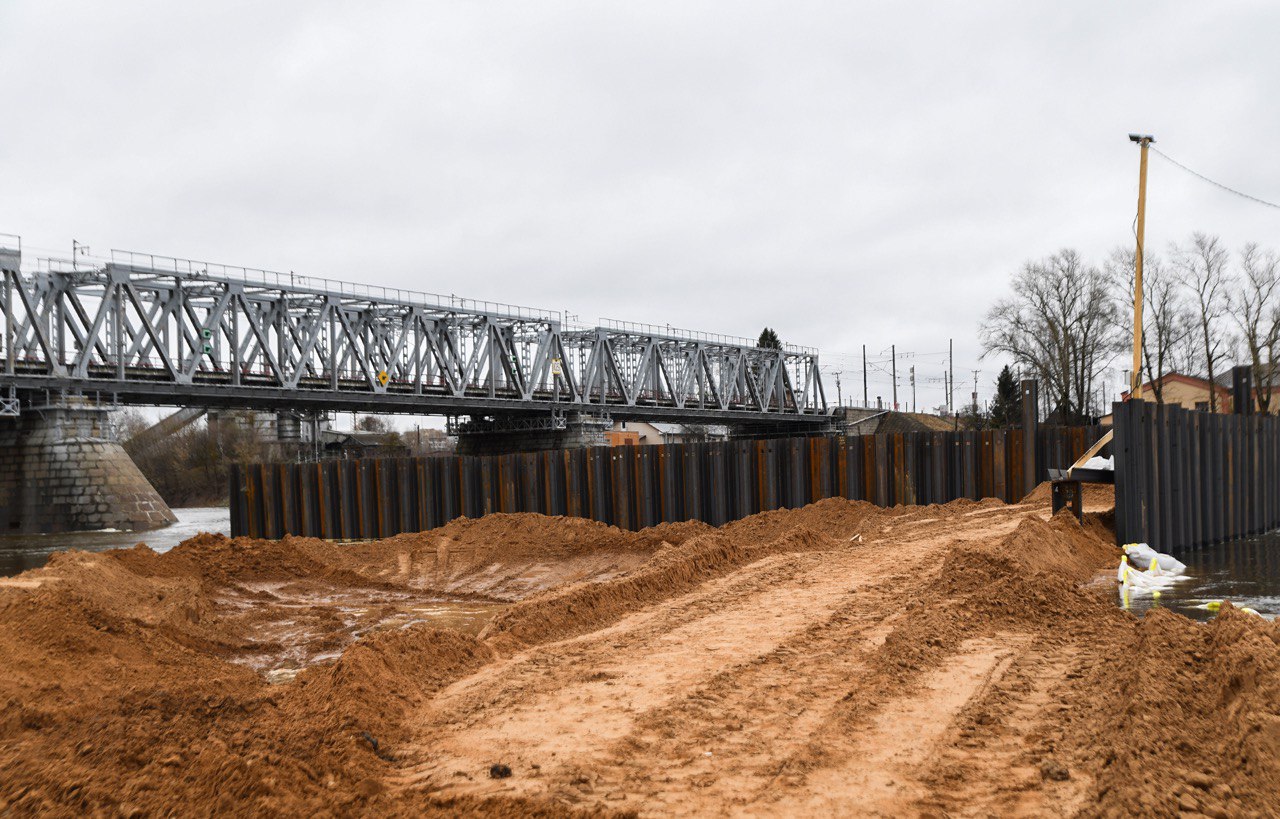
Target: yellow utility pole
column 1135, row 380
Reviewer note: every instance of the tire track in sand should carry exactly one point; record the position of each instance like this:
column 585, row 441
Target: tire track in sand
column 581, row 696
column 1000, row 759
column 879, row 768
column 728, row 741
column 753, row 661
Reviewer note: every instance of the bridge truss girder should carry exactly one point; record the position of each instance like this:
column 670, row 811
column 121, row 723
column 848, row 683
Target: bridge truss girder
column 150, row 335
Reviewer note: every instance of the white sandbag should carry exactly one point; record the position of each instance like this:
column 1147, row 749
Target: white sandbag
column 1140, row 554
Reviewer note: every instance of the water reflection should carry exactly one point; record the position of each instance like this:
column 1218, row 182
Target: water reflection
column 1246, row 572
column 21, row 552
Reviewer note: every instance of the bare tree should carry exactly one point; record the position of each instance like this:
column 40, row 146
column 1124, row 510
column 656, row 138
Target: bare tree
column 1062, row 323
column 1203, row 264
column 190, row 466
column 1259, row 316
column 1167, row 321
column 372, row 423
column 1188, row 353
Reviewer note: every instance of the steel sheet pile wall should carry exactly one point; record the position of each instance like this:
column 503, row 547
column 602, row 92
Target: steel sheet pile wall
column 1186, row 479
column 635, row 487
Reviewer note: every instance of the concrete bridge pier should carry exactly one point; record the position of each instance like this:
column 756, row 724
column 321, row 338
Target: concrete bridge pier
column 62, row 469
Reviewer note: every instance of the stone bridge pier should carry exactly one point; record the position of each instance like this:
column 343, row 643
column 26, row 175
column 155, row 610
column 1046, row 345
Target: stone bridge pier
column 62, row 469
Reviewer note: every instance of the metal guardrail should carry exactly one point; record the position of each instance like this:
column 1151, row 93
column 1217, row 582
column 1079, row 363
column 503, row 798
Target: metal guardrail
column 276, row 279
column 667, row 331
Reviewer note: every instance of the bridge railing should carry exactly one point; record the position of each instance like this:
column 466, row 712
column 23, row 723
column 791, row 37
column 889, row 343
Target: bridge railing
column 277, row 280
column 667, row 331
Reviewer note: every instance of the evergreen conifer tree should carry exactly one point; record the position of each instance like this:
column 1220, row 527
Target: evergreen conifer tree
column 1006, row 407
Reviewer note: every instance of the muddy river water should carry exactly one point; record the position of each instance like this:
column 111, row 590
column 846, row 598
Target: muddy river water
column 1246, row 572
column 21, row 552
column 296, row 626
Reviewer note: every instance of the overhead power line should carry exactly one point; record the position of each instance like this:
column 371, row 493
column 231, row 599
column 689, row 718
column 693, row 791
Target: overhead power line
column 1216, row 184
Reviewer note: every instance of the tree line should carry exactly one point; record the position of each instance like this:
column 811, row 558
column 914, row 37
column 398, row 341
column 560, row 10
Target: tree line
column 191, row 467
column 1204, row 308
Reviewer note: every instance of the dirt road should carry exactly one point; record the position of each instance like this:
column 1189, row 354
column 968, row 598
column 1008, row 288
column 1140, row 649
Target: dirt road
column 740, row 696
column 840, row 659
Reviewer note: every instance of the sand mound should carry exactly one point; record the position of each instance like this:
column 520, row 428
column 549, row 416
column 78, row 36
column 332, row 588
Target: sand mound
column 1060, row 546
column 1186, row 716
column 500, row 557
column 116, row 692
column 127, row 687
column 584, row 607
column 1033, row 576
column 217, row 560
column 835, row 517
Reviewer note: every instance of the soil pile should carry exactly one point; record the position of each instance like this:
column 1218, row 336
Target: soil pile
column 132, row 685
column 958, row 659
column 1185, row 717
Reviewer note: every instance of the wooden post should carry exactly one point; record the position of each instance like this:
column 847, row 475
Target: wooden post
column 1135, row 379
column 1030, row 428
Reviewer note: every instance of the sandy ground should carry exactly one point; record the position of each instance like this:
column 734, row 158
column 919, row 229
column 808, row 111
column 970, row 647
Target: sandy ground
column 735, row 698
column 958, row 660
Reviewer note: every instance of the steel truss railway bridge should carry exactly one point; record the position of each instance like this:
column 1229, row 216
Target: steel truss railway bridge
column 151, row 330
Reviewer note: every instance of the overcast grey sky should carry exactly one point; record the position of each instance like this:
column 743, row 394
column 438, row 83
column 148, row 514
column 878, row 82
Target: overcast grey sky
column 848, row 173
